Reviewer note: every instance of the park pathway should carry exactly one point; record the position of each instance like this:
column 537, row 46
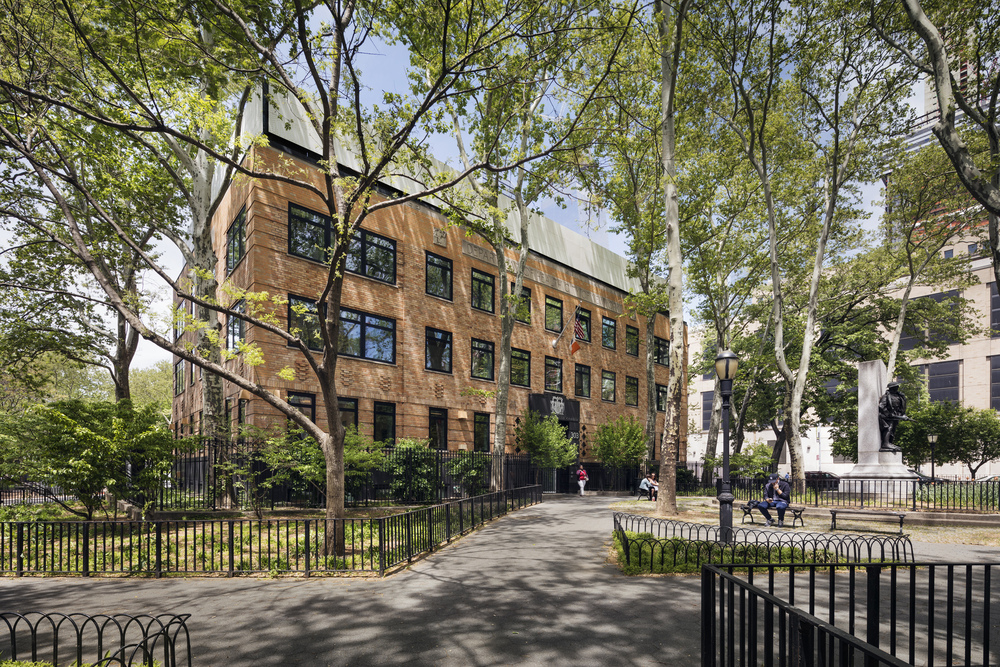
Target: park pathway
column 531, row 588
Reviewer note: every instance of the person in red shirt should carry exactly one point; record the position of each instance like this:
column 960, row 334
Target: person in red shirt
column 581, row 478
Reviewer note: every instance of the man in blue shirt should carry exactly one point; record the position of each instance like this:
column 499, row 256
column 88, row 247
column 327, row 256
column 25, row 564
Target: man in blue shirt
column 777, row 494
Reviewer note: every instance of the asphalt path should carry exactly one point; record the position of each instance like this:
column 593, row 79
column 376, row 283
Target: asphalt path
column 531, row 588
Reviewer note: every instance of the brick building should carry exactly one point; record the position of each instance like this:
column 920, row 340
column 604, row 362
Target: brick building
column 420, row 309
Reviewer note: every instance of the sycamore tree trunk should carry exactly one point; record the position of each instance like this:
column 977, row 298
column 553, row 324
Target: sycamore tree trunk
column 712, row 441
column 332, row 441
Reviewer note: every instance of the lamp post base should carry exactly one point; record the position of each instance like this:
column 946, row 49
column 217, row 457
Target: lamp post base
column 726, row 514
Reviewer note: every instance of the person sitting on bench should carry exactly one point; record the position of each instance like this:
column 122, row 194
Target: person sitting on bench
column 645, row 487
column 777, row 494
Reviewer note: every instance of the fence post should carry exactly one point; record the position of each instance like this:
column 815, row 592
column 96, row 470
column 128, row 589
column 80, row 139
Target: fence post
column 409, row 537
column 231, row 561
column 381, row 546
column 707, row 617
column 872, row 604
column 914, row 496
column 430, row 529
column 308, row 547
column 20, row 549
column 447, row 522
column 86, row 548
column 158, row 567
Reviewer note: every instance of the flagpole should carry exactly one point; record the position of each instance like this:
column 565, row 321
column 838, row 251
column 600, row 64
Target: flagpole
column 563, row 330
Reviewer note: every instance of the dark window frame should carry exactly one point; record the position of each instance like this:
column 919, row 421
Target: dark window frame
column 296, row 321
column 236, row 241
column 483, row 347
column 581, row 371
column 554, row 363
column 631, row 334
column 437, row 428
column 661, row 351
column 448, row 349
column 944, row 380
column 477, row 423
column 632, row 384
column 609, row 375
column 609, row 324
column 583, row 317
column 387, row 410
column 364, row 325
column 303, row 399
column 525, row 303
column 236, row 327
column 555, row 305
column 661, row 398
column 362, row 243
column 516, row 355
column 429, row 260
column 480, row 282
column 179, row 378
column 341, row 402
column 707, row 404
column 309, row 219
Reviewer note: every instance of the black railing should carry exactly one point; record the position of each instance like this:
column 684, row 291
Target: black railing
column 231, row 547
column 848, row 614
column 658, row 545
column 117, row 640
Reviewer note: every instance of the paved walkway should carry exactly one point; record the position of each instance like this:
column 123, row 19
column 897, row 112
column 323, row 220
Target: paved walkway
column 532, row 588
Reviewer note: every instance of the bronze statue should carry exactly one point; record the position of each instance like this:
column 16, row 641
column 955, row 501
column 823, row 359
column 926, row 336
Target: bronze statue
column 891, row 411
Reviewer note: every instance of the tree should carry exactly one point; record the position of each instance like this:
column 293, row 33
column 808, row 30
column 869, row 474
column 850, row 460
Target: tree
column 84, row 450
column 544, row 440
column 969, row 436
column 621, row 442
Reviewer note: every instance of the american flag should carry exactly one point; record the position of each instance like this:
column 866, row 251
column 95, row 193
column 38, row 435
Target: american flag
column 578, row 326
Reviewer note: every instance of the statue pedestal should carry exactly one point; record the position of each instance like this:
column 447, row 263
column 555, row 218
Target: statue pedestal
column 873, row 466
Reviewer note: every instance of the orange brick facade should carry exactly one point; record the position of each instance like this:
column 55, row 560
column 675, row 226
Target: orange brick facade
column 412, row 389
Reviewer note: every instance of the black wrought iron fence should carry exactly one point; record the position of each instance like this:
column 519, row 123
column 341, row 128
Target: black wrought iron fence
column 117, row 640
column 231, row 547
column 658, row 545
column 849, row 614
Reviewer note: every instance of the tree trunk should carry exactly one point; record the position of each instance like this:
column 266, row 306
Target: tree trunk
column 712, row 442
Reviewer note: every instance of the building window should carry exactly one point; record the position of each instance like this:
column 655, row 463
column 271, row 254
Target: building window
column 241, row 411
column 582, row 326
column 661, row 398
column 481, row 432
column 348, row 412
column 582, row 384
column 973, row 248
column 942, row 380
column 438, row 280
column 191, row 375
column 661, row 351
column 948, row 254
column 482, row 359
column 437, row 425
column 236, row 241
column 367, row 336
column 308, row 233
column 631, row 391
column 631, row 340
column 946, row 331
column 437, row 350
column 553, row 314
column 235, row 326
column 180, row 313
column 303, row 402
column 520, row 367
column 302, row 321
column 179, row 378
column 609, row 333
column 482, row 291
column 994, row 311
column 553, row 374
column 522, row 312
column 384, row 427
column 608, row 386
column 373, row 256
column 707, row 397
column 995, row 383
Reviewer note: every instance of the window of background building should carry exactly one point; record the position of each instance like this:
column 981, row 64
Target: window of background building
column 582, row 383
column 707, row 397
column 631, row 391
column 553, row 374
column 367, row 336
column 242, row 406
column 582, row 328
column 308, row 233
column 609, row 333
column 438, row 428
column 946, row 329
column 661, row 352
column 304, row 402
column 948, row 254
column 437, row 350
column 942, row 380
column 482, row 291
column 481, row 432
column 384, row 426
column 180, row 310
column 631, row 340
column 235, row 326
column 482, row 359
column 661, row 398
column 607, row 385
column 995, row 383
column 438, row 280
column 302, row 316
column 236, row 241
column 373, row 256
column 522, row 313
column 348, row 412
column 553, row 314
column 179, row 378
column 994, row 310
column 520, row 367
column 973, row 248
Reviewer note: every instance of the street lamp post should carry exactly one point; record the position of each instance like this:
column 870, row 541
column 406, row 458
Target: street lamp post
column 725, row 369
column 932, row 438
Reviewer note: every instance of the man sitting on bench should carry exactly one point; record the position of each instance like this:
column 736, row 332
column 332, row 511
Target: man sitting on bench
column 777, row 494
column 646, row 487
